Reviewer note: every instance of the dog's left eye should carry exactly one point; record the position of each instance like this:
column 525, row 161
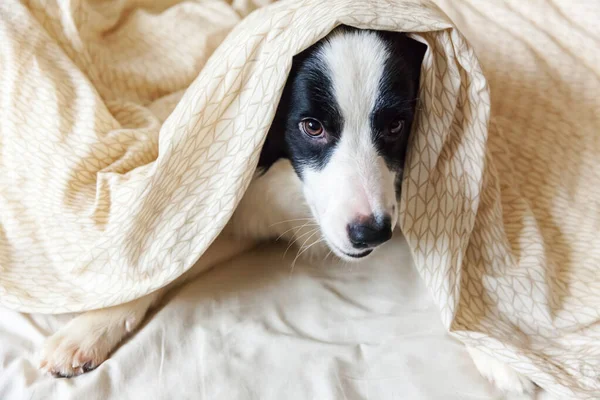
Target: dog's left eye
column 312, row 127
column 396, row 127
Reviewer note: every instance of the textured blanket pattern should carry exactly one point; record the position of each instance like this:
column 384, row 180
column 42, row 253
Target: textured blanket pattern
column 106, row 195
column 538, row 275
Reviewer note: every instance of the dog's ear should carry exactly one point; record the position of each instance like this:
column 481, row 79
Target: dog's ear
column 410, row 50
column 274, row 147
column 417, row 51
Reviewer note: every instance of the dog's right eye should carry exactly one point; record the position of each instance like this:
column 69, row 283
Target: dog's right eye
column 396, row 126
column 312, row 127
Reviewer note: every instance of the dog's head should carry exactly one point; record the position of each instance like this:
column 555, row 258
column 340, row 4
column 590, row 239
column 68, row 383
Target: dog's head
column 343, row 121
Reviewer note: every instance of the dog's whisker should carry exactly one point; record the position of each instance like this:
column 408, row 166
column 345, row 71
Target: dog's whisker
column 296, row 238
column 304, row 249
column 291, row 220
column 296, row 228
column 314, row 232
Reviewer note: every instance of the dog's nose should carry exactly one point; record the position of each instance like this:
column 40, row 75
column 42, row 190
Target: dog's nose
column 370, row 232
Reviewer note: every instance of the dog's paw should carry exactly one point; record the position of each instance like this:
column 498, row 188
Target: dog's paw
column 506, row 379
column 87, row 340
column 78, row 347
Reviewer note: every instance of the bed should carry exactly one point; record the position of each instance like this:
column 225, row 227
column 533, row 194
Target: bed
column 255, row 329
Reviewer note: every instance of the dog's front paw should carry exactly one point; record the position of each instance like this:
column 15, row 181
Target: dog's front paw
column 87, row 340
column 78, row 347
column 513, row 384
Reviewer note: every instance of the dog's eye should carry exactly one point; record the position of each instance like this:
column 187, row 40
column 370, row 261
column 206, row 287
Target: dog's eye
column 396, row 127
column 312, row 127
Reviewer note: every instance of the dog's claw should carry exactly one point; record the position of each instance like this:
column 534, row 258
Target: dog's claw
column 88, row 366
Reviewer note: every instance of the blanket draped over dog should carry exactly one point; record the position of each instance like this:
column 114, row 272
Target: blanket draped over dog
column 129, row 131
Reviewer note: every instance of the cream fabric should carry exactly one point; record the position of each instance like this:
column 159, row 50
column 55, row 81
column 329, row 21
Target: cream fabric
column 102, row 202
column 253, row 329
column 530, row 284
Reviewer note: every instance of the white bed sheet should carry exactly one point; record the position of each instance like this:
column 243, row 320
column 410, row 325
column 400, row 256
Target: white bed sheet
column 254, row 328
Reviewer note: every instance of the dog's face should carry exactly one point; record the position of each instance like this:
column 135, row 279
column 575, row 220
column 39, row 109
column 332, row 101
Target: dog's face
column 344, row 121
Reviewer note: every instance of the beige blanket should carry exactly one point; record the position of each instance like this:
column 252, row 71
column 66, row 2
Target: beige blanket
column 101, row 201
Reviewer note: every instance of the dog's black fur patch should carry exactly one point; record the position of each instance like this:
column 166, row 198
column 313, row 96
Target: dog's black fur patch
column 308, row 93
column 398, row 91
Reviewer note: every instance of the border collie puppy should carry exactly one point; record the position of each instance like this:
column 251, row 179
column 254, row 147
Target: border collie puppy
column 332, row 160
column 342, row 124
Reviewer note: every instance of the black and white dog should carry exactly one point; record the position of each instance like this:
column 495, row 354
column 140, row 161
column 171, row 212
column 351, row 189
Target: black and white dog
column 333, row 159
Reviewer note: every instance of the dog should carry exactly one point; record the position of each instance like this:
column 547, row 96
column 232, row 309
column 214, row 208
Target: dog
column 333, row 157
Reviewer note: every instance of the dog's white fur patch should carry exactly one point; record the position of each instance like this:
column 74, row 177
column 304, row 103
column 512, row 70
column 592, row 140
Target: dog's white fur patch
column 355, row 181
